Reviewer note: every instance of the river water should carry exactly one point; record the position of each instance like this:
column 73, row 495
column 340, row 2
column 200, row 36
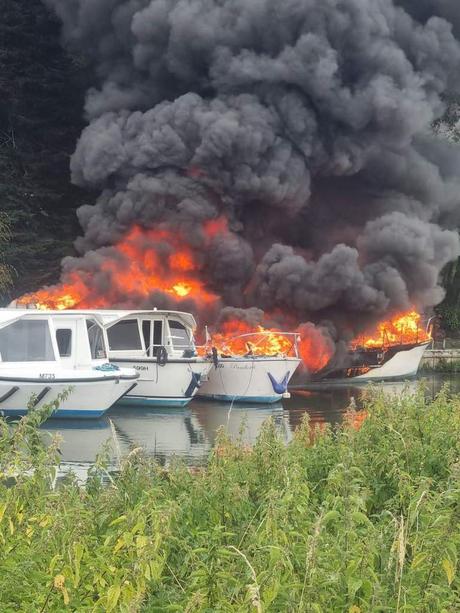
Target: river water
column 190, row 433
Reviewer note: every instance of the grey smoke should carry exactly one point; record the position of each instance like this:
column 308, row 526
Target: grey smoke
column 307, row 124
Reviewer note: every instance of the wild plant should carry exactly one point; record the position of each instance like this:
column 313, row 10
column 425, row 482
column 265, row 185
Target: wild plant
column 361, row 518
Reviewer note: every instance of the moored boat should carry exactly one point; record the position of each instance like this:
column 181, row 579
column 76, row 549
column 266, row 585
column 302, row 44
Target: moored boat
column 161, row 347
column 254, row 377
column 46, row 353
column 363, row 364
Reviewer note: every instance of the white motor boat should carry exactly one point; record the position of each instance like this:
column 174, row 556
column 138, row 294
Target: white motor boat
column 252, row 378
column 363, row 364
column 161, row 347
column 46, row 353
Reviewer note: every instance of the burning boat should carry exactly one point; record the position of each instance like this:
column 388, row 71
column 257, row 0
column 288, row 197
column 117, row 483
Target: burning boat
column 394, row 351
column 45, row 353
column 161, row 347
column 254, row 367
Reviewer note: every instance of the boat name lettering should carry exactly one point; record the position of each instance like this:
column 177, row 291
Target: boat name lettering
column 139, row 367
column 47, row 375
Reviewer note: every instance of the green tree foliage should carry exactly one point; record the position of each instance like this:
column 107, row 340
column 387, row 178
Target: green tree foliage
column 449, row 311
column 41, row 100
column 362, row 519
column 6, row 271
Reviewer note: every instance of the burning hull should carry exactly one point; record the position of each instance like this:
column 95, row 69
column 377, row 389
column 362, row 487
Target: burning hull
column 173, row 384
column 379, row 364
column 249, row 379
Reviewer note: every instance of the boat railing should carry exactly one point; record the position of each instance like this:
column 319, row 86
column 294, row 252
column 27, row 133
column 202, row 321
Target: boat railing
column 262, row 334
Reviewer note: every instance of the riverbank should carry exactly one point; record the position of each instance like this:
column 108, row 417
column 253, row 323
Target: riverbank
column 363, row 518
column 442, row 360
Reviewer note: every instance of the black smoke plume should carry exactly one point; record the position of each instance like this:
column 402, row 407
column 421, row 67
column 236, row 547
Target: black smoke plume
column 306, row 123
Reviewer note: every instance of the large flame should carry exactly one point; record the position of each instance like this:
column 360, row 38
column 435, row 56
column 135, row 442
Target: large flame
column 402, row 329
column 145, row 261
column 132, row 269
column 148, row 261
column 236, row 337
column 259, row 341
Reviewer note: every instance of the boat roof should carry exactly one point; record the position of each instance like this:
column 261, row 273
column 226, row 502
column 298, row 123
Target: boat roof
column 104, row 316
column 11, row 314
column 112, row 315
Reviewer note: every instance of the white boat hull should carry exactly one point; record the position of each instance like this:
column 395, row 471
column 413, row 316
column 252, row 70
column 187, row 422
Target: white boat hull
column 247, row 379
column 90, row 397
column 171, row 385
column 402, row 365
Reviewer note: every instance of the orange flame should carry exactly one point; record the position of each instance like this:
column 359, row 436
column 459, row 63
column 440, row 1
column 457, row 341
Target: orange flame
column 313, row 348
column 145, row 261
column 262, row 341
column 404, row 328
column 134, row 267
column 159, row 259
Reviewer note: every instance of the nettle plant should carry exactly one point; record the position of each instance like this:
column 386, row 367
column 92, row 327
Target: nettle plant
column 364, row 517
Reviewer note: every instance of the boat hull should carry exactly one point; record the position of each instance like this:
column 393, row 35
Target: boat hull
column 172, row 385
column 88, row 398
column 402, row 365
column 247, row 379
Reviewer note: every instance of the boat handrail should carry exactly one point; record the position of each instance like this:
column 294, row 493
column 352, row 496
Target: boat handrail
column 263, row 333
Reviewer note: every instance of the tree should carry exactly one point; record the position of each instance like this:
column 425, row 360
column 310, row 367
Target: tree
column 41, row 116
column 5, row 269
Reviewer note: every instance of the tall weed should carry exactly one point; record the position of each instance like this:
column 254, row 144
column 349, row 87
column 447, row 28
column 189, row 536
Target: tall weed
column 364, row 518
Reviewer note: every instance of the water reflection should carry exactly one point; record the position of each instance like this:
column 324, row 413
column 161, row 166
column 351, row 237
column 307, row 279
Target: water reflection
column 160, row 432
column 81, row 440
column 237, row 420
column 191, row 433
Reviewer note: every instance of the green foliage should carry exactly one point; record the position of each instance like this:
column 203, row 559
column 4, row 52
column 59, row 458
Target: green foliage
column 365, row 518
column 450, row 316
column 41, row 117
column 6, row 271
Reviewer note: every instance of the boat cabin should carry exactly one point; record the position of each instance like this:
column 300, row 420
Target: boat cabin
column 145, row 334
column 70, row 338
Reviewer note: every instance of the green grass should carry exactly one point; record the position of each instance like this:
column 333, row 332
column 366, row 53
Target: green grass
column 359, row 519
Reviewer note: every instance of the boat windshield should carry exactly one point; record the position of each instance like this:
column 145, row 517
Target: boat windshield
column 96, row 340
column 182, row 337
column 26, row 341
column 124, row 335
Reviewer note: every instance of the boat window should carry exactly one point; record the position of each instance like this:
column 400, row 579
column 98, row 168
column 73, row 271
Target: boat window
column 157, row 333
column 181, row 337
column 146, row 334
column 26, row 341
column 64, row 342
column 152, row 346
column 157, row 336
column 124, row 335
column 96, row 340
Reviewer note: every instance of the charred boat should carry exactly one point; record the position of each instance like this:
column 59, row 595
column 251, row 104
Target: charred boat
column 392, row 362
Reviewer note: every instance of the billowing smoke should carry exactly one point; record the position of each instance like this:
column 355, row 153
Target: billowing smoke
column 306, row 124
